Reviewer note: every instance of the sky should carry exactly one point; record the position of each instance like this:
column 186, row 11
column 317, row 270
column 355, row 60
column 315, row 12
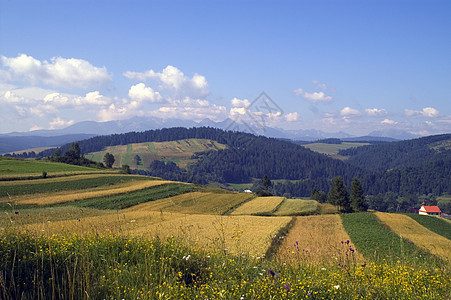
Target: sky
column 351, row 66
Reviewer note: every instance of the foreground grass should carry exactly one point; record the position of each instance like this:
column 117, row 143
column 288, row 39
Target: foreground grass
column 113, row 267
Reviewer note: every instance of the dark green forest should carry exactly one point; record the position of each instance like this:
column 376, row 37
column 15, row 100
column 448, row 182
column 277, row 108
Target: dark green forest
column 406, row 169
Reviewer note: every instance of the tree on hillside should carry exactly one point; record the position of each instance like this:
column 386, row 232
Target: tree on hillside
column 317, row 195
column 74, row 152
column 338, row 196
column 357, row 198
column 266, row 182
column 108, row 160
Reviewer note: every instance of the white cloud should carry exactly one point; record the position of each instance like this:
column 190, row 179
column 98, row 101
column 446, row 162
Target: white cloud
column 171, row 78
column 240, row 103
column 141, row 92
column 347, row 111
column 320, row 85
column 429, row 112
column 58, row 72
column 291, row 117
column 60, row 123
column 313, row 97
column 376, row 112
column 389, row 122
column 35, row 127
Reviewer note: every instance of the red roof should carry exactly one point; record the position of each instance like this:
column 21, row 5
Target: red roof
column 430, row 209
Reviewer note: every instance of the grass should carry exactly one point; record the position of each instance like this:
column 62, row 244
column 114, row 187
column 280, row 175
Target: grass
column 13, row 167
column 125, row 200
column 68, row 267
column 102, row 191
column 434, row 224
column 333, row 149
column 202, row 202
column 258, row 205
column 318, row 240
column 297, row 207
column 179, row 152
column 421, row 236
column 50, row 185
column 378, row 243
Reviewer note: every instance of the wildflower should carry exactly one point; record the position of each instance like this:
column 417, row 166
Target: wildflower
column 16, row 212
column 287, row 287
column 351, row 249
column 336, row 286
column 271, row 273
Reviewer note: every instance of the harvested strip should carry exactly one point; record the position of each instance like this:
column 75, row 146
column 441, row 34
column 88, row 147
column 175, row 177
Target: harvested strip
column 297, row 207
column 319, row 239
column 63, row 198
column 408, row 228
column 196, row 202
column 258, row 205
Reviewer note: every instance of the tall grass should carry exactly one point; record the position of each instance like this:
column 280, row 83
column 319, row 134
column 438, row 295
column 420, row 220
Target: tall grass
column 113, row 267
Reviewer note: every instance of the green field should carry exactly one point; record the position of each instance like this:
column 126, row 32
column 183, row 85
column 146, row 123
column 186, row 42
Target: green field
column 333, row 149
column 15, row 167
column 179, row 152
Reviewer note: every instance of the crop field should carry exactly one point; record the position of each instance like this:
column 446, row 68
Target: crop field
column 202, row 202
column 179, row 152
column 10, row 167
column 319, row 239
column 70, row 183
column 259, row 205
column 377, row 242
column 332, row 149
column 297, row 207
column 116, row 236
column 408, row 228
column 437, row 225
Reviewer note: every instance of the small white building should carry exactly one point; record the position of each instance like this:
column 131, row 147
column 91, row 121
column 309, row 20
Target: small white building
column 430, row 210
column 248, row 191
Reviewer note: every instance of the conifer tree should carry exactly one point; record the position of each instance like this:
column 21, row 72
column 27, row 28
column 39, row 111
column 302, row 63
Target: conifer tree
column 338, row 196
column 357, row 197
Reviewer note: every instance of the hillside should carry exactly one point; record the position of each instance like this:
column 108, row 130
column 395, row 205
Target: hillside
column 149, row 236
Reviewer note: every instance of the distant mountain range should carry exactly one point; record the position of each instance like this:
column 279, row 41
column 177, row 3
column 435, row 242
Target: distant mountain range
column 16, row 141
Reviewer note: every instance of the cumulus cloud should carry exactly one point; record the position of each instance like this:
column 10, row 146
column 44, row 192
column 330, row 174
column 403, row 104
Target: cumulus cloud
column 376, row 112
column 428, row 112
column 389, row 122
column 171, row 78
column 240, row 103
column 141, row 92
column 291, row 117
column 313, row 97
column 347, row 112
column 60, row 123
column 58, row 72
column 320, row 85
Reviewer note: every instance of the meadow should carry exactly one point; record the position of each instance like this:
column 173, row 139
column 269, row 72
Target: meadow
column 116, row 236
column 333, row 149
column 179, row 152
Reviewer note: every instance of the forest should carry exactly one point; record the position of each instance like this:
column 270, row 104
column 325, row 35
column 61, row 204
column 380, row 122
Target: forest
column 406, row 168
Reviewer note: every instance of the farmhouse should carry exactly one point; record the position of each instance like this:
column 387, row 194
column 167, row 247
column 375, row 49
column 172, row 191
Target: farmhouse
column 429, row 210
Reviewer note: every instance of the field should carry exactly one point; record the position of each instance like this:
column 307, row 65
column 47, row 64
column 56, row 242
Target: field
column 179, row 152
column 117, row 236
column 332, row 149
column 259, row 206
column 297, row 207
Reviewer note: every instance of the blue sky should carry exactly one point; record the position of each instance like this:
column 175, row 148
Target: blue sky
column 353, row 66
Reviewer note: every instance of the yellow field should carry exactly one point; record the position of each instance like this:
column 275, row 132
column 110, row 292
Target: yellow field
column 291, row 207
column 258, row 205
column 68, row 196
column 408, row 228
column 317, row 240
column 196, row 203
column 237, row 234
column 62, row 176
